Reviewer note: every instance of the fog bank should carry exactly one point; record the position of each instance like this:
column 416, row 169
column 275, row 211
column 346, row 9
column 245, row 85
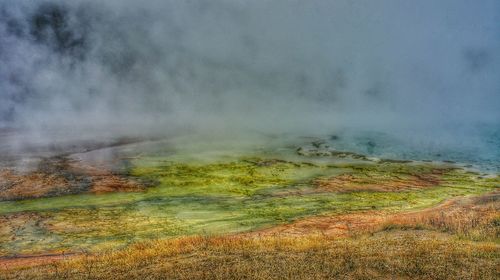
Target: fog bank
column 90, row 67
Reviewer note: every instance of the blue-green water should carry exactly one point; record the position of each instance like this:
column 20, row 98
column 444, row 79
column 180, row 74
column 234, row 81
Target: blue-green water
column 478, row 146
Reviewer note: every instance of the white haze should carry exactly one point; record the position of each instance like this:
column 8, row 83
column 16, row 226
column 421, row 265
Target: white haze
column 427, row 69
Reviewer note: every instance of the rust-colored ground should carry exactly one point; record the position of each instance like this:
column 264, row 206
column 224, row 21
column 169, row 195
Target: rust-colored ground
column 379, row 182
column 29, row 261
column 59, row 176
column 338, row 225
column 35, row 184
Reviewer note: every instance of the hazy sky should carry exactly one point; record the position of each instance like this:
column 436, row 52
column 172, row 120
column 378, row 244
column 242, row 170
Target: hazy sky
column 254, row 64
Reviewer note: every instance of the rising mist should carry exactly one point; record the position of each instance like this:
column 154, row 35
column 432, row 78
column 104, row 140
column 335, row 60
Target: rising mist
column 422, row 70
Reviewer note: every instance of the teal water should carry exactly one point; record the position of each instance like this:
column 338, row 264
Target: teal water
column 478, row 146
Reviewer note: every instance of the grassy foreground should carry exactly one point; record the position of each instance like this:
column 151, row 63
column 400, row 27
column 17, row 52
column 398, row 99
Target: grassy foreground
column 387, row 255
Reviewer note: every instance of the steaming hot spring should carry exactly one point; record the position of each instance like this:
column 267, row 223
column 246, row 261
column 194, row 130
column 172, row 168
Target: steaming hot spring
column 249, row 139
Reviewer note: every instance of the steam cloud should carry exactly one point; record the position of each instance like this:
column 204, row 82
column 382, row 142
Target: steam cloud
column 268, row 65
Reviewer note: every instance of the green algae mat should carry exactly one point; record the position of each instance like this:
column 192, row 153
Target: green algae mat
column 228, row 193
